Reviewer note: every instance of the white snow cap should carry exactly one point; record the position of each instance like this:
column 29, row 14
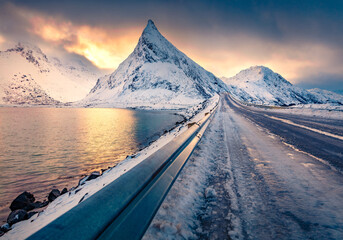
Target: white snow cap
column 260, row 85
column 155, row 75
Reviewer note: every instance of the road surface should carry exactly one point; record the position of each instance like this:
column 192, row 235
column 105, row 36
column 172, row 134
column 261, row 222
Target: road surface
column 258, row 175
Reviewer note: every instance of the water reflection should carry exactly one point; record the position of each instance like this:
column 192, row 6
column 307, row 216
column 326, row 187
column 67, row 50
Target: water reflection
column 45, row 147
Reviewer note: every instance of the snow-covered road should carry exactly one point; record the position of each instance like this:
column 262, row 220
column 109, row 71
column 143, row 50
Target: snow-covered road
column 247, row 181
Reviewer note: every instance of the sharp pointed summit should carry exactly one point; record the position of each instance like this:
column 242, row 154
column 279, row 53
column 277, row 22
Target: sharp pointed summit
column 151, row 32
column 150, row 26
column 155, row 75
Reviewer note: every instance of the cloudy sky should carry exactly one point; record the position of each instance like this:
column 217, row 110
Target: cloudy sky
column 301, row 40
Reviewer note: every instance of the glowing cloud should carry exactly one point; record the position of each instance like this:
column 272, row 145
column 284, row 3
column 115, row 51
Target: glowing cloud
column 105, row 48
column 2, row 40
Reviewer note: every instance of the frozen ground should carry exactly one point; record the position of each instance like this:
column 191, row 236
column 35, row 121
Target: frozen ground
column 67, row 201
column 246, row 180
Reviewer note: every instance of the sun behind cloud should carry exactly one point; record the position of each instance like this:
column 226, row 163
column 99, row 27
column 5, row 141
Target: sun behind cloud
column 2, row 40
column 104, row 48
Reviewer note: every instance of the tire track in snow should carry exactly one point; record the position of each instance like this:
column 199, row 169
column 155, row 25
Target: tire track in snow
column 282, row 193
column 242, row 183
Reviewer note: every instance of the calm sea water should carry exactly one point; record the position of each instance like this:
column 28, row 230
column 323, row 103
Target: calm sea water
column 45, row 147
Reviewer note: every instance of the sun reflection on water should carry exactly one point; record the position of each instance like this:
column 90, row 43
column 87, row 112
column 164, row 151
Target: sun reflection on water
column 45, row 147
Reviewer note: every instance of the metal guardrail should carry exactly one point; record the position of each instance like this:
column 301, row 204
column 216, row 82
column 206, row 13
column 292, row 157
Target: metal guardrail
column 124, row 208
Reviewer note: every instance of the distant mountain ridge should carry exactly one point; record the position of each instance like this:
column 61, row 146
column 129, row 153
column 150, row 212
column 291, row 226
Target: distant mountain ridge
column 28, row 76
column 157, row 75
column 325, row 96
column 260, row 85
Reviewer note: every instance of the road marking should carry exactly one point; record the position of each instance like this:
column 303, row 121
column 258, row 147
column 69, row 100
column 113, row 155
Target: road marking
column 305, row 127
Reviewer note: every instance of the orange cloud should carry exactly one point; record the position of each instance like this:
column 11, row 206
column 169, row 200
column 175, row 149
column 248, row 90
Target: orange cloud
column 105, row 48
column 2, row 39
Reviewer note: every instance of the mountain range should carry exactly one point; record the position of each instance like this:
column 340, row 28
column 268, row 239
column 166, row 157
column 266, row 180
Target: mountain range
column 155, row 75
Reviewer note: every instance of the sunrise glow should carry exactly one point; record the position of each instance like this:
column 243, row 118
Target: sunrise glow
column 104, row 48
column 2, row 39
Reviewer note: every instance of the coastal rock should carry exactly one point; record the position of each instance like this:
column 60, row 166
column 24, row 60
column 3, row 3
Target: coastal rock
column 93, row 175
column 30, row 214
column 5, row 228
column 39, row 204
column 53, row 194
column 17, row 216
column 23, row 201
column 65, row 190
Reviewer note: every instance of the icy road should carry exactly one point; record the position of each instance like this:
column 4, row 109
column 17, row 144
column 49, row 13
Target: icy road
column 258, row 175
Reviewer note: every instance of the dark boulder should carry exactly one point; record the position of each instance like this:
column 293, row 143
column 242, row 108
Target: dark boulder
column 16, row 216
column 30, row 214
column 5, row 228
column 93, row 175
column 39, row 204
column 65, row 190
column 53, row 194
column 23, row 201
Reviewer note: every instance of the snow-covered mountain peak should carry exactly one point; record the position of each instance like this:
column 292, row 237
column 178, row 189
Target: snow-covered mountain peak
column 27, row 74
column 261, row 74
column 26, row 47
column 260, row 85
column 150, row 27
column 32, row 53
column 153, row 46
column 151, row 35
column 156, row 74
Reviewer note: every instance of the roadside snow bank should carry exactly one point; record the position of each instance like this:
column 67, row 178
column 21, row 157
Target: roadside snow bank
column 69, row 200
column 200, row 201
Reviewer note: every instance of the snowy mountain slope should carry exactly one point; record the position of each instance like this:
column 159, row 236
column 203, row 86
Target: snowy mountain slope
column 24, row 90
column 47, row 76
column 325, row 96
column 155, row 75
column 260, row 85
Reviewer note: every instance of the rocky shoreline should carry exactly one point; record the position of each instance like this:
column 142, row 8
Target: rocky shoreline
column 24, row 206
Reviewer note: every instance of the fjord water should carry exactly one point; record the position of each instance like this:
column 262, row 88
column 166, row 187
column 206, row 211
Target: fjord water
column 45, row 147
